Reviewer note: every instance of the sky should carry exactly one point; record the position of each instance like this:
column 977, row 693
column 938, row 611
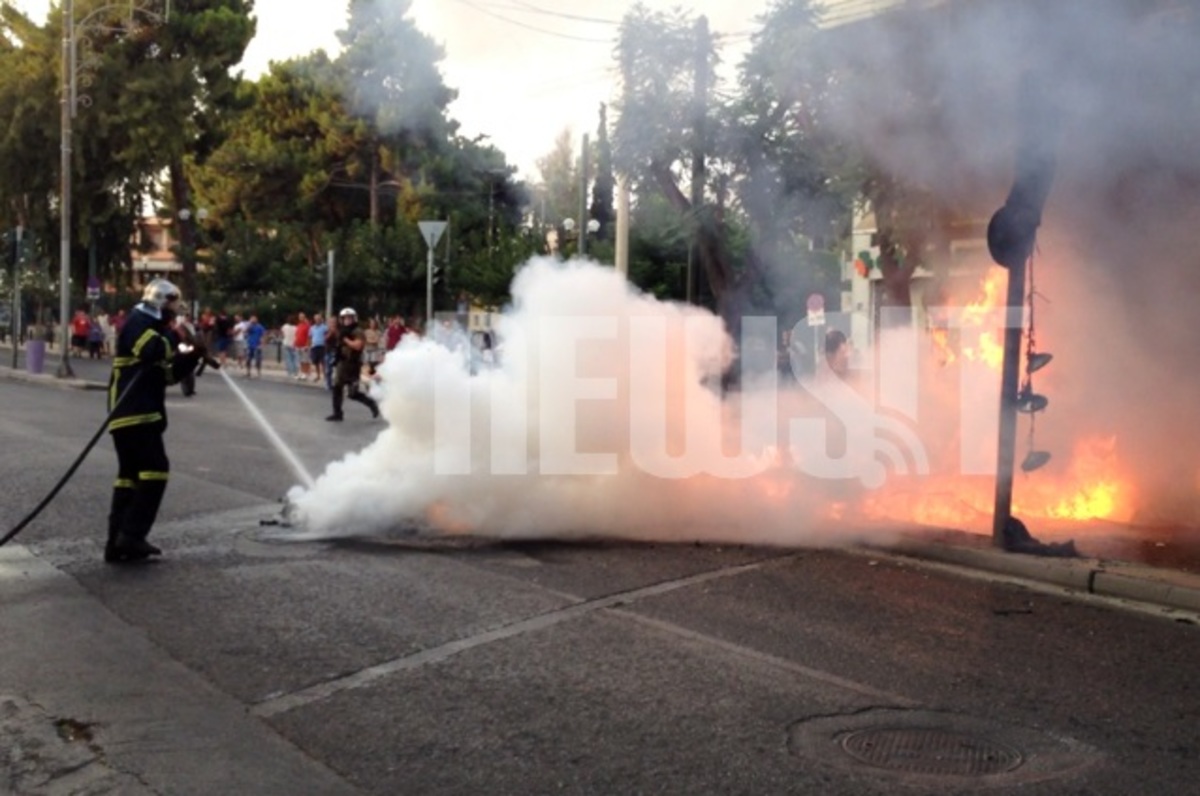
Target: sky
column 523, row 70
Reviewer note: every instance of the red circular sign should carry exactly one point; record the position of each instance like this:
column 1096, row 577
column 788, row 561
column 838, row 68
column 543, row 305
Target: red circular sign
column 816, row 302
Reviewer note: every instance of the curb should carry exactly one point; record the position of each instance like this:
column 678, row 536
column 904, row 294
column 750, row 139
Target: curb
column 1157, row 587
column 50, row 380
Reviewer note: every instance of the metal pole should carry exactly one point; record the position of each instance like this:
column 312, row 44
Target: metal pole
column 68, row 93
column 583, row 184
column 1009, row 384
column 623, row 225
column 428, row 290
column 329, row 289
column 1012, row 236
column 16, row 301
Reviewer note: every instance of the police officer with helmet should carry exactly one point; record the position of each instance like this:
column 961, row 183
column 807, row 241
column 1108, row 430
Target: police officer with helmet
column 145, row 362
column 348, row 362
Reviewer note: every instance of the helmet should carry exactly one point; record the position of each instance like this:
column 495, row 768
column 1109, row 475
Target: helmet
column 348, row 312
column 160, row 293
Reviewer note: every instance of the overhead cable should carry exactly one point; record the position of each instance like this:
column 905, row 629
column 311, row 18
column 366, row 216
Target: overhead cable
column 533, row 28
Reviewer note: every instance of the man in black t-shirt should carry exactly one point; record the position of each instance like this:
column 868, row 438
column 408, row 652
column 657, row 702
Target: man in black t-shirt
column 222, row 334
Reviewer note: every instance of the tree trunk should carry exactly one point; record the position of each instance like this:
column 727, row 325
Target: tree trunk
column 712, row 257
column 182, row 197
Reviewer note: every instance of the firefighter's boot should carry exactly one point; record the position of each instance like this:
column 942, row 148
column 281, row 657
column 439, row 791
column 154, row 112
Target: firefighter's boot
column 122, row 497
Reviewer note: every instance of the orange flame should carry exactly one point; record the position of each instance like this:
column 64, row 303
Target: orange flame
column 975, row 342
column 1094, row 488
column 982, row 311
column 1091, row 486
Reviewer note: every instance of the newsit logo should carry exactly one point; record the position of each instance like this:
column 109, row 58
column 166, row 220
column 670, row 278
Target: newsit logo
column 653, row 392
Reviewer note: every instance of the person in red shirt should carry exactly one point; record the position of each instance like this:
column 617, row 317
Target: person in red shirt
column 395, row 332
column 303, row 343
column 81, row 324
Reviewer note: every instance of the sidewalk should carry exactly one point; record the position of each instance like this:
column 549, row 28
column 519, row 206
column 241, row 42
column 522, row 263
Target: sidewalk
column 1134, row 581
column 271, row 370
column 115, row 713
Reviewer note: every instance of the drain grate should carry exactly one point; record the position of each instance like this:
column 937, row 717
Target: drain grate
column 930, row 751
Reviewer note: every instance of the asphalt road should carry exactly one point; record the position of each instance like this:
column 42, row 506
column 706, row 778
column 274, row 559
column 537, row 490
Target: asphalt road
column 477, row 667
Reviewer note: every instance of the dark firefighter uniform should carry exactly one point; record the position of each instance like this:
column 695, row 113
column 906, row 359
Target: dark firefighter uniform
column 144, row 364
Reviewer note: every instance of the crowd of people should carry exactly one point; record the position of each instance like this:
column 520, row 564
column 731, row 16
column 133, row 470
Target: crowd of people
column 307, row 343
column 94, row 334
column 340, row 352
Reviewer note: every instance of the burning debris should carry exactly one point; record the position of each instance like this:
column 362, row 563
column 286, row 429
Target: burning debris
column 1017, row 539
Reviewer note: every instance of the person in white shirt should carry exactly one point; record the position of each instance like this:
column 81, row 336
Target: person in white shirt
column 291, row 356
column 239, row 340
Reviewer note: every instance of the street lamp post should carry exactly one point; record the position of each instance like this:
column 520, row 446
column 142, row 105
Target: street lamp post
column 69, row 101
column 593, row 226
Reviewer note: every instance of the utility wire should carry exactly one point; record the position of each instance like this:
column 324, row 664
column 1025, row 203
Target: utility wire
column 857, row 11
column 590, row 78
column 533, row 28
column 531, row 8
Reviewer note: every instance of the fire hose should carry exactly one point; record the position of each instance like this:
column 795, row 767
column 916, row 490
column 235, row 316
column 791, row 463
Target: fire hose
column 91, row 443
column 75, row 465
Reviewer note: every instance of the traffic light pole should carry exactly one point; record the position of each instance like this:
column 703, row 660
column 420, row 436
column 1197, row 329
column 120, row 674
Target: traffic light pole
column 1011, row 238
column 1009, row 385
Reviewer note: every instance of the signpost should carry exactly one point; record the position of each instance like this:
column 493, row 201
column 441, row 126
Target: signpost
column 93, row 289
column 431, row 231
column 329, row 317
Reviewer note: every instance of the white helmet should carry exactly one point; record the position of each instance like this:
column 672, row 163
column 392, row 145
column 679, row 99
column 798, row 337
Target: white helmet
column 159, row 294
column 348, row 312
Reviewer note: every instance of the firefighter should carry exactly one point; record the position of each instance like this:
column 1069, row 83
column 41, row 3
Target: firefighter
column 348, row 360
column 144, row 351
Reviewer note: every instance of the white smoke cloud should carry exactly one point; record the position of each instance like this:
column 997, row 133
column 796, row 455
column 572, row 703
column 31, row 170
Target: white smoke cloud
column 1116, row 268
column 581, row 430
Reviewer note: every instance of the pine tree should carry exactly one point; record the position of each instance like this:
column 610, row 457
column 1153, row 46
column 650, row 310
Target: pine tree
column 602, row 188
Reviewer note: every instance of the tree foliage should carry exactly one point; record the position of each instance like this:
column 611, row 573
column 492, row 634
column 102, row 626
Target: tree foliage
column 152, row 95
column 750, row 179
column 605, row 182
column 749, row 172
column 348, row 154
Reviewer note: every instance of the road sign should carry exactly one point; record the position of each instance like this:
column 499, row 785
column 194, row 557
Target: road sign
column 432, row 231
column 93, row 288
column 816, row 310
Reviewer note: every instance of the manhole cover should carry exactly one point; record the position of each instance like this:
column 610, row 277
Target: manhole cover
column 930, row 751
column 937, row 749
